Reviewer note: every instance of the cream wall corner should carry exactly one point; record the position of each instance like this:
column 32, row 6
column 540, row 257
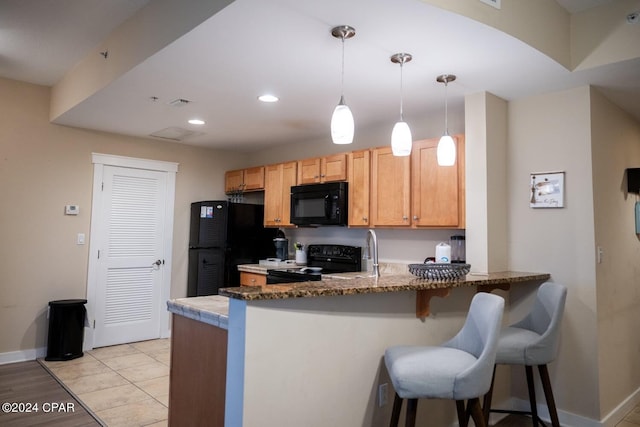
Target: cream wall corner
column 616, row 146
column 44, row 167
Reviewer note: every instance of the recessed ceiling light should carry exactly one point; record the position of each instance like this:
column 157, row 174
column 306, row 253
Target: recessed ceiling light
column 196, row 122
column 268, row 98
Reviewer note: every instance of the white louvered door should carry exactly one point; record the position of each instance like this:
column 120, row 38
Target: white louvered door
column 130, row 262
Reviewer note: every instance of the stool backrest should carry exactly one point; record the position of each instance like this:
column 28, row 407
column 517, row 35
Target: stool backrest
column 479, row 337
column 544, row 319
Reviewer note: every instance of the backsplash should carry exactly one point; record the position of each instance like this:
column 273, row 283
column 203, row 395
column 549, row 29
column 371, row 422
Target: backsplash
column 403, row 246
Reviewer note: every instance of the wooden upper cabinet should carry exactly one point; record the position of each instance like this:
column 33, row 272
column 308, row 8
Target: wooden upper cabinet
column 233, row 181
column 254, row 178
column 250, row 179
column 309, row 171
column 437, row 192
column 390, row 189
column 359, row 187
column 323, row 169
column 279, row 179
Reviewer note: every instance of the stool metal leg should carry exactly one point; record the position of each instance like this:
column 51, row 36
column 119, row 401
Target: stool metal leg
column 395, row 412
column 532, row 395
column 486, row 404
column 548, row 394
column 412, row 407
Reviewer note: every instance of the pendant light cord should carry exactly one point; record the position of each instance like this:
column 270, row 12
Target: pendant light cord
column 342, row 74
column 401, row 92
column 446, row 108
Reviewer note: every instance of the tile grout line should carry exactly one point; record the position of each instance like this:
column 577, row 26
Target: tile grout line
column 103, row 362
column 68, row 390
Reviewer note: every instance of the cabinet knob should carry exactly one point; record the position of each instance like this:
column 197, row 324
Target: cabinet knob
column 253, row 280
column 364, row 218
column 322, row 176
column 404, row 218
column 415, row 217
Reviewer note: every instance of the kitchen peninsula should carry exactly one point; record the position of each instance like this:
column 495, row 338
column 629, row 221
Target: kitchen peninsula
column 311, row 353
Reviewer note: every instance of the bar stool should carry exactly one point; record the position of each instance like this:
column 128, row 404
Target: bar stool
column 533, row 341
column 459, row 369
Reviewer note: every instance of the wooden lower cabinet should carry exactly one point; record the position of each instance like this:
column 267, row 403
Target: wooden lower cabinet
column 252, row 279
column 197, row 382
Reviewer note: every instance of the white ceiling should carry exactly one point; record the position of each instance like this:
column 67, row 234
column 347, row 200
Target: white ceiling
column 285, row 47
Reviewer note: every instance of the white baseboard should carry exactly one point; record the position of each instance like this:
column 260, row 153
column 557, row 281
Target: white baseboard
column 567, row 419
column 620, row 411
column 22, row 355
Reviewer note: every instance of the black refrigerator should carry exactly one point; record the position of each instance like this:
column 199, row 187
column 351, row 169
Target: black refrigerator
column 222, row 236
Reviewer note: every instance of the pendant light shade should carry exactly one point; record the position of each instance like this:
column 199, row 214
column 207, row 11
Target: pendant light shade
column 401, row 139
column 342, row 124
column 446, row 151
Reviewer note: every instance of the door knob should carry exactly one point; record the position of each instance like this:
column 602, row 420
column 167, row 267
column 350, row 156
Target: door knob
column 157, row 263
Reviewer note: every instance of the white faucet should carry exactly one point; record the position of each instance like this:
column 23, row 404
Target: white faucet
column 372, row 234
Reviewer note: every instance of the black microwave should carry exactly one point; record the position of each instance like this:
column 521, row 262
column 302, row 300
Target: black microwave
column 319, row 204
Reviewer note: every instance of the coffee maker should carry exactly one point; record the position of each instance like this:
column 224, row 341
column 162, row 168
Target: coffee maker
column 282, row 246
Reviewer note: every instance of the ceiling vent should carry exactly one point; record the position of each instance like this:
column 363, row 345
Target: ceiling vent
column 175, row 134
column 180, row 102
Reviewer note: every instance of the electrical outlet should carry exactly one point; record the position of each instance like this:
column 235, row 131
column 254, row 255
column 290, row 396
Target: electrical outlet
column 383, row 391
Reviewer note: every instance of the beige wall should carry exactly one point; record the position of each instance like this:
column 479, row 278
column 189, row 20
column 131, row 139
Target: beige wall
column 44, row 167
column 616, row 146
column 551, row 133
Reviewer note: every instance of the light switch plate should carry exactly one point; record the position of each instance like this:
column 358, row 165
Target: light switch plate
column 72, row 210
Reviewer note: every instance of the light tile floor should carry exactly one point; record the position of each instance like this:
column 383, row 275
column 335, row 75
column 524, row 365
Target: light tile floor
column 128, row 385
column 124, row 385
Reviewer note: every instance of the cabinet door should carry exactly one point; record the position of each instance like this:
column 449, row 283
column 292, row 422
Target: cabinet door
column 309, row 171
column 252, row 279
column 233, row 181
column 289, row 178
column 359, row 188
column 437, row 191
column 334, row 168
column 277, row 193
column 272, row 195
column 254, row 179
column 390, row 192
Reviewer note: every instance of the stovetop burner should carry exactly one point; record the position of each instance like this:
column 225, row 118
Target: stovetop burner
column 329, row 258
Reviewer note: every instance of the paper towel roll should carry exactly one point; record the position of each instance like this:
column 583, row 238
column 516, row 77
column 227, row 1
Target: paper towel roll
column 443, row 252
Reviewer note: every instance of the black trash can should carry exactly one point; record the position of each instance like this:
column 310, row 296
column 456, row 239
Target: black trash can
column 66, row 329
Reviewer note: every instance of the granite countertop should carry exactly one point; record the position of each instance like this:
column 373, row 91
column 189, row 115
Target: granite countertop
column 213, row 310
column 361, row 284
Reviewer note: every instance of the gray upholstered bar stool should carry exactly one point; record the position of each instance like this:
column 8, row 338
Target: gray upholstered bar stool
column 533, row 341
column 460, row 369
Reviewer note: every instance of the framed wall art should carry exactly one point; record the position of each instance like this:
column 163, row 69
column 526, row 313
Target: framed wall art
column 547, row 190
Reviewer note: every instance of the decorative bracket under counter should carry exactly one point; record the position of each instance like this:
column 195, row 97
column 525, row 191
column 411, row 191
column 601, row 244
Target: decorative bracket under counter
column 485, row 283
column 423, row 298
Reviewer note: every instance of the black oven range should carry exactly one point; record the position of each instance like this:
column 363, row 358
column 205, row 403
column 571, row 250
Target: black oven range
column 320, row 259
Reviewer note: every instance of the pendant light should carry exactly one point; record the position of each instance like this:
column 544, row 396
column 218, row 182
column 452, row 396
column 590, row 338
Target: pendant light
column 446, row 151
column 342, row 125
column 401, row 135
